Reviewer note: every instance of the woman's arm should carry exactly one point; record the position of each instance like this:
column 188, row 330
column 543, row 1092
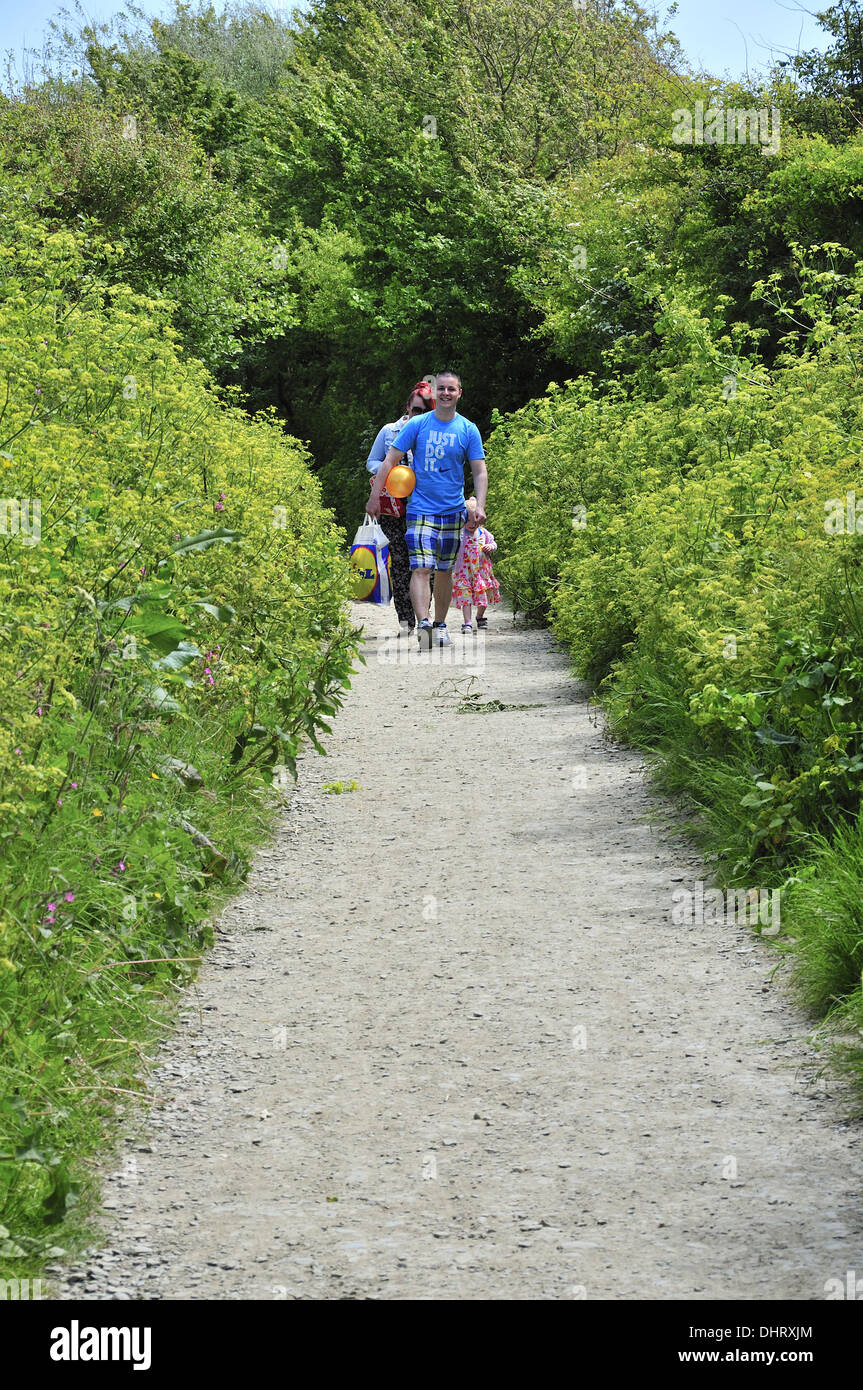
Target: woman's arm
column 378, row 451
column 394, row 456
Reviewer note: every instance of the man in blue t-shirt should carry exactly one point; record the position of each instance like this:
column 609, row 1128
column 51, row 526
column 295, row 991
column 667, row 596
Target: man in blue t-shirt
column 442, row 442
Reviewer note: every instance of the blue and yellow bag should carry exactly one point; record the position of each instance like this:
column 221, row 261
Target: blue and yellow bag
column 370, row 560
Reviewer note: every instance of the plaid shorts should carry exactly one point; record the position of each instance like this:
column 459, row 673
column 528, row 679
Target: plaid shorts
column 433, row 541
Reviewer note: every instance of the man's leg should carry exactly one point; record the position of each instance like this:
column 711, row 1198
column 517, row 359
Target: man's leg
column 420, row 592
column 442, row 594
column 419, row 540
column 446, row 545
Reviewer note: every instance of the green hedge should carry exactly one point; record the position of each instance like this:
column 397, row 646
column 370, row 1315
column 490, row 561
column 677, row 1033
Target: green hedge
column 173, row 628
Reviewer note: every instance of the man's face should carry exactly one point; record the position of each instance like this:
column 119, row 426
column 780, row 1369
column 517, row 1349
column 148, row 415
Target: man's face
column 448, row 390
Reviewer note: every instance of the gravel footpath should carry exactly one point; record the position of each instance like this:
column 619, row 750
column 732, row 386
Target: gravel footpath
column 450, row 1043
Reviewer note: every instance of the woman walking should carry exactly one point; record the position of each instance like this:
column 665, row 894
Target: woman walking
column 392, row 517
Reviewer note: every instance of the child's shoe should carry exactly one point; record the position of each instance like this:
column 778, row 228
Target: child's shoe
column 467, row 627
column 481, row 623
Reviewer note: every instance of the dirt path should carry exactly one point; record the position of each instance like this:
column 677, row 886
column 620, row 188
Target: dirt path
column 450, row 1043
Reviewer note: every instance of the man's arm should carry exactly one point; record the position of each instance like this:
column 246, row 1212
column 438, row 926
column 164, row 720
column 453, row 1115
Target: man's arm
column 480, row 486
column 394, row 456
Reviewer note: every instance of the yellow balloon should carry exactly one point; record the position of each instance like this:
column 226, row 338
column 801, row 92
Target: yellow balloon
column 401, row 481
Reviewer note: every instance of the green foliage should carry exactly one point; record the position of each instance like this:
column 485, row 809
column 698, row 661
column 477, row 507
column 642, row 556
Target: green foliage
column 173, row 633
column 833, row 80
column 151, row 198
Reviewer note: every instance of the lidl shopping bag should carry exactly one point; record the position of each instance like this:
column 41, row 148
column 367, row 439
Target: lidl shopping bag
column 370, row 560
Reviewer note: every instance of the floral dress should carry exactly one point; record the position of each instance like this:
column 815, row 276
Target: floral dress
column 473, row 580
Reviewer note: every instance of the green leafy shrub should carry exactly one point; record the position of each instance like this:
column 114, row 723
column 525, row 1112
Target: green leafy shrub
column 173, row 631
column 162, row 218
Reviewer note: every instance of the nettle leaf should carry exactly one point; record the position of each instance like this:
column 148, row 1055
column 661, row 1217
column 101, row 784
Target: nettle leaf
column 222, row 612
column 183, row 772
column 141, row 596
column 28, row 1153
column 162, row 630
column 768, row 735
column 159, row 697
column 118, row 605
column 182, row 656
column 204, row 539
column 63, row 1194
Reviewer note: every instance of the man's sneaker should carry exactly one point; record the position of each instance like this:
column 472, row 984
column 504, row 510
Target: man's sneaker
column 443, row 637
column 424, row 634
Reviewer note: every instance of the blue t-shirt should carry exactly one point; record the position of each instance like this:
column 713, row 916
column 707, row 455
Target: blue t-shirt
column 441, row 448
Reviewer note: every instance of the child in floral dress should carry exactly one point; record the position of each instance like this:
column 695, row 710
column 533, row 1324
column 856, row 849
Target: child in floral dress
column 473, row 581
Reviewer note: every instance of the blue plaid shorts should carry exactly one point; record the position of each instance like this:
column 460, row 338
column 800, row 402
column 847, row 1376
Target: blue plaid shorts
column 433, row 540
